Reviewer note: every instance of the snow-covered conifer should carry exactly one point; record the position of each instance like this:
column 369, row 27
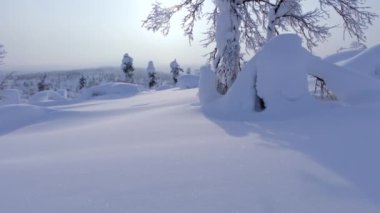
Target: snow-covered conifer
column 175, row 70
column 42, row 85
column 152, row 74
column 82, row 82
column 2, row 53
column 127, row 67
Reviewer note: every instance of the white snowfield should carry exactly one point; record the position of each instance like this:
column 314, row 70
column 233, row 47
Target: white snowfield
column 160, row 152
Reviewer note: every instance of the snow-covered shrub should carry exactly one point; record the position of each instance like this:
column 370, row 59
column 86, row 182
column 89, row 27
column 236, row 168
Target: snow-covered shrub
column 110, row 89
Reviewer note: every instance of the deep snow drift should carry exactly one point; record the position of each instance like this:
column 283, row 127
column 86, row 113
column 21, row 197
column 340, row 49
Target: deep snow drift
column 366, row 63
column 120, row 149
column 159, row 152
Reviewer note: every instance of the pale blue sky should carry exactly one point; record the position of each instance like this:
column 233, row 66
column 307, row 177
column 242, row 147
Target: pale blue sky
column 65, row 34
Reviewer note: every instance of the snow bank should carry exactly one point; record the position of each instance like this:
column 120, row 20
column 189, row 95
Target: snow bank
column 343, row 55
column 207, row 85
column 110, row 89
column 280, row 79
column 20, row 115
column 188, row 81
column 63, row 93
column 46, row 96
column 240, row 97
column 367, row 62
column 9, row 96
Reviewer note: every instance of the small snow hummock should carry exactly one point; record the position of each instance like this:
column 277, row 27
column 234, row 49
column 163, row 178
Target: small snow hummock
column 10, row 96
column 188, row 81
column 46, row 96
column 110, row 89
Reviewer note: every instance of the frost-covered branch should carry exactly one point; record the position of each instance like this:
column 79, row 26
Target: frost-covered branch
column 355, row 15
column 160, row 17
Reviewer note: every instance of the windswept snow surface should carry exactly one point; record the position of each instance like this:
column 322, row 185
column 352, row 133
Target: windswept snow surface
column 367, row 62
column 343, row 55
column 160, row 152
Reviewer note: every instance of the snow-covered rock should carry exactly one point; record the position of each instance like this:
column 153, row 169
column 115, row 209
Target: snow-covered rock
column 110, row 89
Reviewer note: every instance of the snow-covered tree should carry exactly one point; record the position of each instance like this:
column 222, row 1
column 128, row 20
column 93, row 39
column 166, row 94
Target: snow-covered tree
column 152, row 74
column 2, row 53
column 4, row 79
column 82, row 82
column 254, row 22
column 42, row 85
column 175, row 70
column 127, row 67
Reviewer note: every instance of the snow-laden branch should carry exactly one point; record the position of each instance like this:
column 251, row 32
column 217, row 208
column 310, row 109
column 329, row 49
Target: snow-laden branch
column 254, row 22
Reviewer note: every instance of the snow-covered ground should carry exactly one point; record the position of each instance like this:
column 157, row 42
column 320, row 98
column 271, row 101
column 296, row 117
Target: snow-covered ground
column 159, row 151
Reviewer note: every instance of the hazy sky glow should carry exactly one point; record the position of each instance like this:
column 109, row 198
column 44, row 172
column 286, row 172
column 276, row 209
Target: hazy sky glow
column 66, row 34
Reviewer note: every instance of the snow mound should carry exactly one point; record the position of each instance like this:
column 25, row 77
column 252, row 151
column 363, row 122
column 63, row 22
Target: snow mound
column 20, row 115
column 280, row 79
column 46, row 96
column 240, row 97
column 188, row 81
column 367, row 62
column 207, row 85
column 63, row 93
column 110, row 89
column 9, row 96
column 343, row 55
